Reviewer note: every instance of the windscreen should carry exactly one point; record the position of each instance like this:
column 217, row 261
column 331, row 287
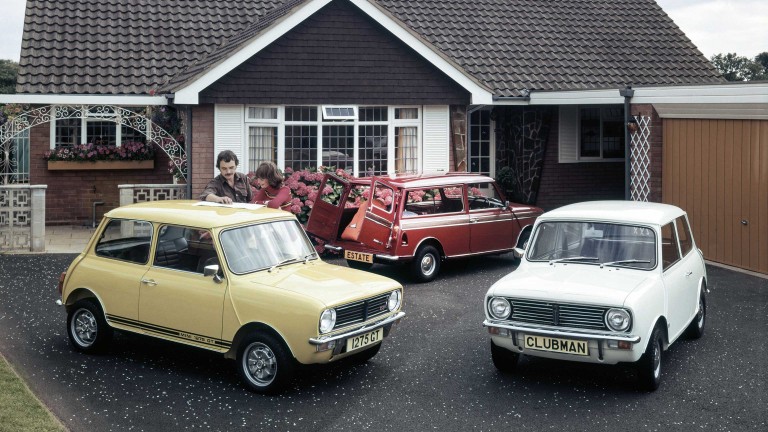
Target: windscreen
column 594, row 243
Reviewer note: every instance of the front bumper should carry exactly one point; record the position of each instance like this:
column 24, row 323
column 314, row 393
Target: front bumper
column 337, row 340
column 604, row 347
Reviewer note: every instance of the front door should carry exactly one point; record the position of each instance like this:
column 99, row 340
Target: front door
column 493, row 225
column 175, row 298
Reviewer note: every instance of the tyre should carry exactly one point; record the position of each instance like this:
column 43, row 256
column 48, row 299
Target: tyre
column 695, row 329
column 426, row 264
column 365, row 355
column 649, row 365
column 358, row 265
column 265, row 364
column 504, row 359
column 87, row 329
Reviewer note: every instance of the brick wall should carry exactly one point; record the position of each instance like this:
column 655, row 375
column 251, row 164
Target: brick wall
column 567, row 183
column 203, row 159
column 70, row 194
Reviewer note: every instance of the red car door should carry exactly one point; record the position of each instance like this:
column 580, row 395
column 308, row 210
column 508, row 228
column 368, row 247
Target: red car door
column 493, row 226
column 327, row 211
column 380, row 216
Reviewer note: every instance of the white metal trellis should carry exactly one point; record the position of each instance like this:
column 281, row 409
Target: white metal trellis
column 139, row 122
column 640, row 168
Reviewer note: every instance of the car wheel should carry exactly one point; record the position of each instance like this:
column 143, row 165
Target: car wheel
column 649, row 365
column 695, row 329
column 87, row 329
column 359, row 265
column 426, row 264
column 365, row 355
column 504, row 359
column 265, row 364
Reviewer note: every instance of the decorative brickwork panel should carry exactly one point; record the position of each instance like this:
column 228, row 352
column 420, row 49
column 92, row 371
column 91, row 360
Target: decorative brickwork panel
column 521, row 143
column 15, row 219
column 147, row 193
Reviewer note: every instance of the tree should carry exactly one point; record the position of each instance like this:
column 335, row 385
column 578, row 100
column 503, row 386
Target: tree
column 737, row 68
column 9, row 69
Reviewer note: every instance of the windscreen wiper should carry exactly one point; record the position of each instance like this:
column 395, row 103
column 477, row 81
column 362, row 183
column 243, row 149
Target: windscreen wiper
column 576, row 258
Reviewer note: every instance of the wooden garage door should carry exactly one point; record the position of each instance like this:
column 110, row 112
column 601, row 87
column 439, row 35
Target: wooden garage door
column 717, row 170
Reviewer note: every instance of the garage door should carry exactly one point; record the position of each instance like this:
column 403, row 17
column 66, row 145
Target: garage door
column 717, row 170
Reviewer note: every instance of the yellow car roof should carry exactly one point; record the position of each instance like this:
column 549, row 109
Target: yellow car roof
column 198, row 214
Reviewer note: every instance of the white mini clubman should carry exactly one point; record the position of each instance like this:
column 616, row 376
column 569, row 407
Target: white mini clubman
column 601, row 282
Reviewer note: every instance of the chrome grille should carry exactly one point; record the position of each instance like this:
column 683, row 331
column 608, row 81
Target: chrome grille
column 361, row 311
column 558, row 314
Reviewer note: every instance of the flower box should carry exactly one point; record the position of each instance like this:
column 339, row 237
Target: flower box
column 100, row 165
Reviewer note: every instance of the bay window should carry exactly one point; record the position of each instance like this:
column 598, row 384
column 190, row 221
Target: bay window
column 361, row 140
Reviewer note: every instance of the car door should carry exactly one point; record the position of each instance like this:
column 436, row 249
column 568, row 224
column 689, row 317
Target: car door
column 175, row 298
column 122, row 250
column 692, row 263
column 380, row 216
column 676, row 274
column 493, row 226
column 328, row 209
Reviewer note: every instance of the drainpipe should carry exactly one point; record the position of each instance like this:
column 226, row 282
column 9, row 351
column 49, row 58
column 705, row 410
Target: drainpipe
column 627, row 94
column 188, row 149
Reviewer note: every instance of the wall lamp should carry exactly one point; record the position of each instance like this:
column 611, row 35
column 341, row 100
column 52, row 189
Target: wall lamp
column 632, row 125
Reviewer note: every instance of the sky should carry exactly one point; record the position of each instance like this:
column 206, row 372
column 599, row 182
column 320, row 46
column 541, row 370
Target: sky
column 714, row 26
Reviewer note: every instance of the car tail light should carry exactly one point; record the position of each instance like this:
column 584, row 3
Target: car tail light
column 62, row 276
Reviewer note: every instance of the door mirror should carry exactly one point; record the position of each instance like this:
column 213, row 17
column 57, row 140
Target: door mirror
column 213, row 270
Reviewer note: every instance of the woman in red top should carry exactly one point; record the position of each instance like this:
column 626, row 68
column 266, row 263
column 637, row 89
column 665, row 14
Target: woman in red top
column 271, row 192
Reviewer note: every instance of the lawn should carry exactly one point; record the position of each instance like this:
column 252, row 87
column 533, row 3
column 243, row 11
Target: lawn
column 20, row 410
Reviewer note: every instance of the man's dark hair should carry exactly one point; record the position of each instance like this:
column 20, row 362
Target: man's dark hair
column 227, row 156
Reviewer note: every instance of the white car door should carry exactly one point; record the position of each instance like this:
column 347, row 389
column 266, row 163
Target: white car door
column 676, row 273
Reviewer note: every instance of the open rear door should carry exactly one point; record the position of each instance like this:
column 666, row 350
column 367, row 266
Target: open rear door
column 327, row 211
column 380, row 216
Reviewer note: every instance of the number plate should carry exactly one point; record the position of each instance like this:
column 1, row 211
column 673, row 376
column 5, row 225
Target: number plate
column 358, row 256
column 566, row 346
column 365, row 339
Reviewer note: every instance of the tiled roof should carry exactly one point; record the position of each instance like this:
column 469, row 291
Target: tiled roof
column 112, row 46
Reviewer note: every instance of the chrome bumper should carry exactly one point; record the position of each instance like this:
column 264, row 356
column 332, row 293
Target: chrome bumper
column 377, row 256
column 373, row 326
column 566, row 333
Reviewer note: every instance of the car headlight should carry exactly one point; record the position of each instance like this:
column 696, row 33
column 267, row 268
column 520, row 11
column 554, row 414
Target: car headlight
column 394, row 300
column 499, row 308
column 618, row 319
column 327, row 320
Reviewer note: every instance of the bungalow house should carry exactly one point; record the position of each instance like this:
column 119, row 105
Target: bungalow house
column 564, row 101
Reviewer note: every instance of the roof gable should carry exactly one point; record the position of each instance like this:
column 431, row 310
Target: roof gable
column 110, row 47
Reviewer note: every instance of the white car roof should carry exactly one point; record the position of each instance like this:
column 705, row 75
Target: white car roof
column 617, row 211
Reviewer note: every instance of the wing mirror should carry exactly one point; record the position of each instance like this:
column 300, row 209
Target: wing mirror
column 213, row 270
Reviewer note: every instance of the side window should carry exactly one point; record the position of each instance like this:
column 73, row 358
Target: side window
column 670, row 254
column 425, row 202
column 684, row 231
column 184, row 248
column 126, row 240
column 383, row 197
column 483, row 196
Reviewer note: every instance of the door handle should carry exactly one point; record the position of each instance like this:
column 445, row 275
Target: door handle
column 688, row 273
column 472, row 220
column 150, row 282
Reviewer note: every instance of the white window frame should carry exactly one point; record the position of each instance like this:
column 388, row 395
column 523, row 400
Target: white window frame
column 93, row 117
column 355, row 123
column 569, row 136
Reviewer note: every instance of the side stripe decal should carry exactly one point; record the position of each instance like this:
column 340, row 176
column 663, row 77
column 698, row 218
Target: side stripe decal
column 204, row 340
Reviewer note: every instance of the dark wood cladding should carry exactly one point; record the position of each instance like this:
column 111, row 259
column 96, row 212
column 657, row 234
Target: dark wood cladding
column 337, row 56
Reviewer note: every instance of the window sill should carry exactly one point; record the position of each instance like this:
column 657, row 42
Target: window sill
column 100, row 165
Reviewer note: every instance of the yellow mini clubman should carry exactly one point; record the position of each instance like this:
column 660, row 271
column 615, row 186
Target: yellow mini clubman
column 240, row 279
